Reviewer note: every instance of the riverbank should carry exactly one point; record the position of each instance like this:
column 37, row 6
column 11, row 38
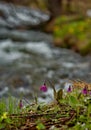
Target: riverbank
column 70, row 110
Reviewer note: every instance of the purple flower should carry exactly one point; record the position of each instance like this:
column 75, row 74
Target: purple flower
column 43, row 88
column 69, row 89
column 20, row 104
column 85, row 91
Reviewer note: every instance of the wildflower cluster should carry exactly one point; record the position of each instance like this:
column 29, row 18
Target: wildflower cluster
column 69, row 87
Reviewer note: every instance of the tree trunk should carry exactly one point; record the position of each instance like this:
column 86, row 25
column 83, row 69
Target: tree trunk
column 68, row 5
column 54, row 6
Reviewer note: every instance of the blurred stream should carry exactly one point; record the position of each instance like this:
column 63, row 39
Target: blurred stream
column 25, row 66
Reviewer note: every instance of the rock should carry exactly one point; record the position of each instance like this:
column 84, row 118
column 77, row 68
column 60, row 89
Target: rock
column 88, row 13
column 19, row 16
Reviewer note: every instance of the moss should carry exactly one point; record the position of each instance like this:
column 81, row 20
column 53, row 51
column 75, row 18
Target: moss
column 71, row 33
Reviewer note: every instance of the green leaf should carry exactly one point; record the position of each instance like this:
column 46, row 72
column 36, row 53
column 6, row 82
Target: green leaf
column 73, row 101
column 40, row 126
column 59, row 94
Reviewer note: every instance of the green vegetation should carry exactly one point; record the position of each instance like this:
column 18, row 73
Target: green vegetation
column 73, row 32
column 70, row 110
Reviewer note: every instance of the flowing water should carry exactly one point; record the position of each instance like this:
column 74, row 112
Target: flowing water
column 25, row 66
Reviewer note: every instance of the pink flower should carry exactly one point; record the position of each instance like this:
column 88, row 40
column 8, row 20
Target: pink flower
column 20, row 104
column 43, row 88
column 85, row 91
column 69, row 89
